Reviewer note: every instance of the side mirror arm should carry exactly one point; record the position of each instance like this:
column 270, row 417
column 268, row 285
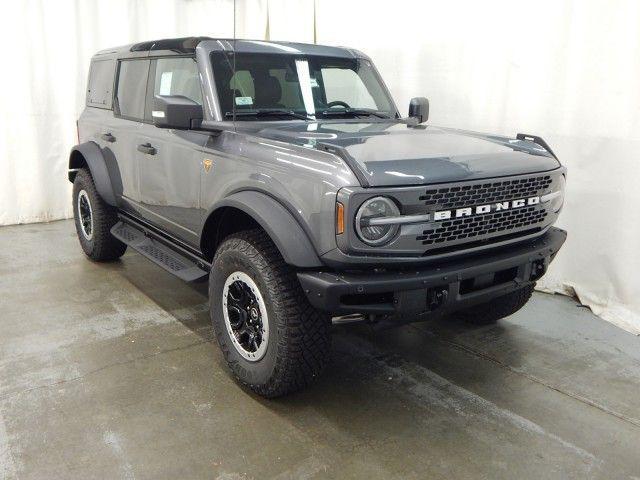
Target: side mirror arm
column 216, row 127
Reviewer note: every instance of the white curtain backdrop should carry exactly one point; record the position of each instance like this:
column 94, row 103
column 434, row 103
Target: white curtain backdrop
column 291, row 20
column 47, row 47
column 567, row 70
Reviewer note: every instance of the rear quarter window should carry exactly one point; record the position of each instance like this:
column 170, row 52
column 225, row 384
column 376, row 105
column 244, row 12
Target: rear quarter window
column 100, row 85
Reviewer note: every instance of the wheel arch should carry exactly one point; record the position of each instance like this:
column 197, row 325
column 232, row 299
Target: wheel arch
column 89, row 155
column 251, row 209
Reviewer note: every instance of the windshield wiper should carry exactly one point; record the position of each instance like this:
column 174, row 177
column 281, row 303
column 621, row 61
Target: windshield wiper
column 269, row 113
column 355, row 112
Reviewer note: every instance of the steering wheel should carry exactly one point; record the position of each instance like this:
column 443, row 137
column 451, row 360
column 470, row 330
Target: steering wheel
column 337, row 103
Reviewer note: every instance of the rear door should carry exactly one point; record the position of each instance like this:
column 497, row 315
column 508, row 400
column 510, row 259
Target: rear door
column 170, row 162
column 120, row 132
column 101, row 122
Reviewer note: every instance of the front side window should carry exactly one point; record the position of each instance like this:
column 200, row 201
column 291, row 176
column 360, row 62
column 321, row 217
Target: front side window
column 132, row 85
column 316, row 86
column 177, row 76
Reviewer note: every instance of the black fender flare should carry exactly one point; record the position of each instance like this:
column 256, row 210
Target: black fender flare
column 289, row 237
column 95, row 160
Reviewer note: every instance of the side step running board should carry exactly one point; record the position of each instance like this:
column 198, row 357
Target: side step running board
column 163, row 255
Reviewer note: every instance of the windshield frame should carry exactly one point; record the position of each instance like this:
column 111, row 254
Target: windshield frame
column 226, row 58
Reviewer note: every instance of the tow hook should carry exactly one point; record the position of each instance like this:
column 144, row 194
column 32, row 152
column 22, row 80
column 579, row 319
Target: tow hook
column 537, row 269
column 436, row 297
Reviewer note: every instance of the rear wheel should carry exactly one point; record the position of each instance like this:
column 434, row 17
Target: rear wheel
column 94, row 219
column 497, row 308
column 273, row 340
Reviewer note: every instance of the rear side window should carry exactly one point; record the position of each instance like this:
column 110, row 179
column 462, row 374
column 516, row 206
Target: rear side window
column 132, row 87
column 100, row 86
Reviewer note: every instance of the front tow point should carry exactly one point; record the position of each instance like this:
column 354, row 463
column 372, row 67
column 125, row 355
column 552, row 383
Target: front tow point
column 437, row 297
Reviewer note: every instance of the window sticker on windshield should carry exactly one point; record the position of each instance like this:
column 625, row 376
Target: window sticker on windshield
column 165, row 83
column 244, row 101
column 314, row 82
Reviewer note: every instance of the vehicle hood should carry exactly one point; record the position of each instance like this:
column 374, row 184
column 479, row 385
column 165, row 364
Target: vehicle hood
column 393, row 154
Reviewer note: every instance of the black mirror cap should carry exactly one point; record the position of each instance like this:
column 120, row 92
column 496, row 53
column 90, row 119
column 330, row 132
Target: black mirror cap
column 419, row 109
column 176, row 111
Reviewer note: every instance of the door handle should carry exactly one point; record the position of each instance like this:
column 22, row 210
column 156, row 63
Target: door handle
column 147, row 148
column 107, row 137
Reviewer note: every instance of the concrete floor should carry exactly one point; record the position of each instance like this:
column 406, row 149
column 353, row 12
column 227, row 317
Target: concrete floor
column 108, row 371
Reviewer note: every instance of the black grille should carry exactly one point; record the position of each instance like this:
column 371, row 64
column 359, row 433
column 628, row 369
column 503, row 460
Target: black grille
column 496, row 223
column 484, row 193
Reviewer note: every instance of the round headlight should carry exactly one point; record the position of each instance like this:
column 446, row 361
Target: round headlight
column 372, row 232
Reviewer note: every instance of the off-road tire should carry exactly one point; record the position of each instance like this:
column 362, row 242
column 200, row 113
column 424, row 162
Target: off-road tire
column 103, row 246
column 491, row 312
column 299, row 335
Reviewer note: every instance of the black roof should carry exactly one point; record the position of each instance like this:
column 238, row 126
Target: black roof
column 178, row 45
column 187, row 45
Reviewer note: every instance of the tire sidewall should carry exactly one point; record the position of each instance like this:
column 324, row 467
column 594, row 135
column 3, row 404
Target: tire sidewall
column 227, row 262
column 80, row 184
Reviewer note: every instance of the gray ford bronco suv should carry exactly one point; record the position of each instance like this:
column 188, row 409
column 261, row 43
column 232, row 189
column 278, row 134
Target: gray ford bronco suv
column 285, row 175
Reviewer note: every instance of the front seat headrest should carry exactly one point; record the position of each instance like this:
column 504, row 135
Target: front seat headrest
column 268, row 92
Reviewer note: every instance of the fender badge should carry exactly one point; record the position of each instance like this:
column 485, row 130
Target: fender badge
column 207, row 164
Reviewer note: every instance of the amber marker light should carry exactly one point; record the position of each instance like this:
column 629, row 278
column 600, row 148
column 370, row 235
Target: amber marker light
column 339, row 218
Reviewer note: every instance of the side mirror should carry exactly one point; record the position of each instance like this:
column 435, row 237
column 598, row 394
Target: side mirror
column 419, row 109
column 176, row 111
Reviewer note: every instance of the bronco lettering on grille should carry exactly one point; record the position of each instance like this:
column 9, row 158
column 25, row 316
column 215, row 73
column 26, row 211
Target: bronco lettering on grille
column 481, row 209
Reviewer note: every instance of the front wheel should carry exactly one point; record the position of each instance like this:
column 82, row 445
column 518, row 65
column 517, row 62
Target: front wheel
column 273, row 340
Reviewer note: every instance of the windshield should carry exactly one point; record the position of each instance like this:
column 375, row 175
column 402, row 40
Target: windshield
column 276, row 86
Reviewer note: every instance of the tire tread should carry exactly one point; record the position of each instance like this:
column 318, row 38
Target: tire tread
column 103, row 247
column 305, row 341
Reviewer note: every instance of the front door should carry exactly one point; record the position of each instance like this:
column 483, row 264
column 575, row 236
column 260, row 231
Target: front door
column 170, row 161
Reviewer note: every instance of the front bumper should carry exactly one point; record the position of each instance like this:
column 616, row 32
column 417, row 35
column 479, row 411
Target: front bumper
column 440, row 288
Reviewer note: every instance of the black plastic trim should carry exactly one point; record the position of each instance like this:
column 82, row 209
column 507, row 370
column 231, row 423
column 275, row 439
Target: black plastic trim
column 325, row 289
column 92, row 154
column 177, row 45
column 538, row 140
column 167, row 256
column 166, row 239
column 284, row 230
